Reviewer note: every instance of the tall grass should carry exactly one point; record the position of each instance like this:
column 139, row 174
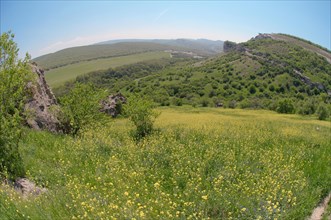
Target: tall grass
column 203, row 163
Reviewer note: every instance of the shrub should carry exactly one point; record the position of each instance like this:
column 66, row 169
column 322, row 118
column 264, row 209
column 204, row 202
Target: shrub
column 14, row 74
column 177, row 101
column 285, row 106
column 308, row 107
column 322, row 112
column 204, row 102
column 81, row 108
column 141, row 113
column 232, row 104
column 252, row 89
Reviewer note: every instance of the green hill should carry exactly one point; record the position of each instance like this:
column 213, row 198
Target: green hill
column 259, row 73
column 100, row 51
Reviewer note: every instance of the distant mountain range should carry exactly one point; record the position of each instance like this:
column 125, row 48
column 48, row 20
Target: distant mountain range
column 202, row 45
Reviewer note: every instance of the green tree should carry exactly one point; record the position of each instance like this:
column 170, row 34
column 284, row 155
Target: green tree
column 81, row 108
column 142, row 114
column 285, row 106
column 322, row 112
column 14, row 74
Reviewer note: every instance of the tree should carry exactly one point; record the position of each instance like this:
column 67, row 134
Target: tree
column 142, row 114
column 14, row 75
column 285, row 106
column 322, row 112
column 81, row 108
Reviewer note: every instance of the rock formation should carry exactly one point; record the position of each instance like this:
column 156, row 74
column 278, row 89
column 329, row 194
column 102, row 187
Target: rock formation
column 262, row 36
column 26, row 187
column 113, row 104
column 41, row 106
column 229, row 46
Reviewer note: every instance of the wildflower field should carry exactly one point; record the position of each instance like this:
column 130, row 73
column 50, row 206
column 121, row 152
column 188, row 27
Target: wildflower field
column 200, row 163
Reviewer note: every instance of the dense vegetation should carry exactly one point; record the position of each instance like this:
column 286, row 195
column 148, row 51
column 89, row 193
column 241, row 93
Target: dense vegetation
column 14, row 75
column 261, row 73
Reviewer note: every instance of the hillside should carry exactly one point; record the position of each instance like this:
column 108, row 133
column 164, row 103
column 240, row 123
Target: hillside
column 58, row 76
column 256, row 74
column 118, row 48
column 305, row 44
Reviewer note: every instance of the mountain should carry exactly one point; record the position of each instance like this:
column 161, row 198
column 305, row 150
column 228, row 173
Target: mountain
column 204, row 46
column 116, row 48
column 260, row 73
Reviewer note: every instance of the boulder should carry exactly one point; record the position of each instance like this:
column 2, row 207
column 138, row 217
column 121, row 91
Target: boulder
column 113, row 104
column 41, row 106
column 26, row 187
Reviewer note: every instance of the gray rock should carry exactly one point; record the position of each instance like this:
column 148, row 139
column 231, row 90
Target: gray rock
column 26, row 187
column 113, row 104
column 41, row 107
column 262, row 36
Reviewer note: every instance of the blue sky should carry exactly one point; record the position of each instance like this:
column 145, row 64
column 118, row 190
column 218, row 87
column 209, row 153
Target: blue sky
column 42, row 27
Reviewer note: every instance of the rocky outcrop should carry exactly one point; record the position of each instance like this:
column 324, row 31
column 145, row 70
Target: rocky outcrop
column 26, row 187
column 262, row 36
column 40, row 108
column 307, row 81
column 229, row 46
column 113, row 104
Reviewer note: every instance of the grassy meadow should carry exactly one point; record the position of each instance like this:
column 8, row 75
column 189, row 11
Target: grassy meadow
column 201, row 163
column 60, row 75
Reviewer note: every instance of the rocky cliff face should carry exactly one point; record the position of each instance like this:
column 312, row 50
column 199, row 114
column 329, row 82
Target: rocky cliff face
column 41, row 107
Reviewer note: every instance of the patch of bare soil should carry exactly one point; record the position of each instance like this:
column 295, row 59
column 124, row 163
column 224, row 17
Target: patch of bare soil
column 319, row 210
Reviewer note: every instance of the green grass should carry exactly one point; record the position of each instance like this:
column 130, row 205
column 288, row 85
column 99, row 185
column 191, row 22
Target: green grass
column 58, row 76
column 201, row 163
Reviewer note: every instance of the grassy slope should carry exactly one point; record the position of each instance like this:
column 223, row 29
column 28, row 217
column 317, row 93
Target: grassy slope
column 60, row 75
column 92, row 52
column 203, row 163
column 305, row 44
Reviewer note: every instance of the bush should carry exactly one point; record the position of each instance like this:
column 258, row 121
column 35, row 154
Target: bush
column 81, row 108
column 141, row 113
column 308, row 107
column 232, row 104
column 204, row 102
column 14, row 74
column 322, row 112
column 285, row 106
column 177, row 101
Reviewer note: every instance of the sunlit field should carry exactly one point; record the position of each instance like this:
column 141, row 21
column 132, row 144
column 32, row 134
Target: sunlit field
column 201, row 163
column 58, row 76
